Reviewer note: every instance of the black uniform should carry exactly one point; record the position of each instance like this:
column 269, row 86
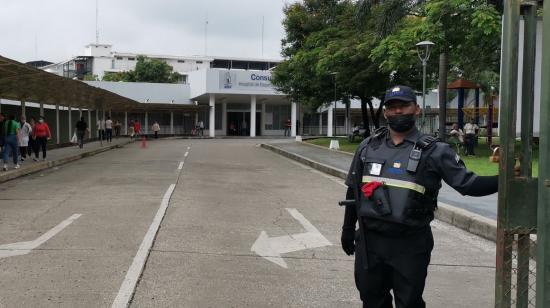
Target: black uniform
column 395, row 219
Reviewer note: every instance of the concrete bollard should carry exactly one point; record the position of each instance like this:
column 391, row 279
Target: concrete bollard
column 334, row 145
column 299, row 138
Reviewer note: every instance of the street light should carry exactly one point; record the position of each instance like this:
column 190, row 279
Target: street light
column 423, row 49
column 334, row 111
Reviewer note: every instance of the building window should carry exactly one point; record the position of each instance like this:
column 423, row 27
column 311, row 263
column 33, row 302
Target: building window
column 113, row 63
column 276, row 116
column 119, row 58
column 131, row 59
column 181, row 61
column 199, row 62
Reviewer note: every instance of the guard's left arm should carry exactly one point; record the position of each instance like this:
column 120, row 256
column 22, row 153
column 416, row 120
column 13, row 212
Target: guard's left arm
column 452, row 170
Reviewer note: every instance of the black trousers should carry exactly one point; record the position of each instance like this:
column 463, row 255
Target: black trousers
column 394, row 263
column 470, row 144
column 41, row 143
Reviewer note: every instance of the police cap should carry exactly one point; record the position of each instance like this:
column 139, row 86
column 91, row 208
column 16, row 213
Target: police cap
column 400, row 93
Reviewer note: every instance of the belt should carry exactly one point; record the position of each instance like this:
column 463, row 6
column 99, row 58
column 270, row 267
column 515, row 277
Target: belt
column 396, row 183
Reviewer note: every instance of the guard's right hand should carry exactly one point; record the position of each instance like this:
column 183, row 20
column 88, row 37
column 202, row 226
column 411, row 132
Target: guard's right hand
column 348, row 241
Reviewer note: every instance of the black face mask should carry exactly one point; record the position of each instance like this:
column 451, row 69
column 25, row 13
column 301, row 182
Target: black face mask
column 401, row 123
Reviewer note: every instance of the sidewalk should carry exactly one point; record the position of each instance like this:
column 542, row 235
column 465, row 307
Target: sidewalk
column 60, row 156
column 473, row 214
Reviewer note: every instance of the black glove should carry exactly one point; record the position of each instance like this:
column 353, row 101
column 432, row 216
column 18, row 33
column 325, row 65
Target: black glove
column 348, row 241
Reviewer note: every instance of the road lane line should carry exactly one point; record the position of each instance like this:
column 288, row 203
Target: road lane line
column 180, row 166
column 129, row 284
column 23, row 248
column 186, row 153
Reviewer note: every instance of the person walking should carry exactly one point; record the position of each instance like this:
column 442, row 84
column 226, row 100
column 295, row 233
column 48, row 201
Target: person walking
column 41, row 135
column 11, row 128
column 288, row 126
column 131, row 131
column 156, row 129
column 100, row 124
column 109, row 129
column 137, row 128
column 117, row 128
column 24, row 134
column 32, row 143
column 81, row 128
column 393, row 183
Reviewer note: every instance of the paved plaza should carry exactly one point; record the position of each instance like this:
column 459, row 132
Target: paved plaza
column 199, row 223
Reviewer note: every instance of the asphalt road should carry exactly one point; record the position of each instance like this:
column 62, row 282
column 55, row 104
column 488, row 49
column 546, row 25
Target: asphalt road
column 225, row 196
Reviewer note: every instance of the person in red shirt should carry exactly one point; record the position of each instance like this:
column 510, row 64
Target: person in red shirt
column 41, row 134
column 137, row 128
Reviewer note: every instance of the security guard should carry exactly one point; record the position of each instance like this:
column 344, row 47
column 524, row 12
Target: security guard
column 394, row 179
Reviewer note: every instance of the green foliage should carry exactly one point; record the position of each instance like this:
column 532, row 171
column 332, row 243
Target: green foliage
column 90, row 77
column 467, row 30
column 147, row 70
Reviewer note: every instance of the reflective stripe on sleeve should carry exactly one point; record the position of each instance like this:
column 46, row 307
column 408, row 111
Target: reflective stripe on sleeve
column 396, row 183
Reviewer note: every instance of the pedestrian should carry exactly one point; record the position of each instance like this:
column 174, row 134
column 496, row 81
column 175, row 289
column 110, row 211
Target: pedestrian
column 117, row 128
column 2, row 132
column 456, row 137
column 244, row 128
column 131, row 131
column 32, row 143
column 109, row 129
column 24, row 134
column 11, row 129
column 137, row 128
column 201, row 127
column 393, row 183
column 41, row 134
column 288, row 126
column 100, row 124
column 156, row 129
column 471, row 130
column 81, row 128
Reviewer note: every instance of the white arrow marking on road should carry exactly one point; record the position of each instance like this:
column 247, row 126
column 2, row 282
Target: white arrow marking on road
column 271, row 248
column 180, row 166
column 186, row 153
column 23, row 248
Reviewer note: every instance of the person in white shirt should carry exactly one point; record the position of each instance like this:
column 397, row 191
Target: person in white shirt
column 109, row 129
column 156, row 129
column 100, row 124
column 471, row 130
column 24, row 134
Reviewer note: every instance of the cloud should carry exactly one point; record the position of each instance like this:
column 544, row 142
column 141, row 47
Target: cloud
column 55, row 30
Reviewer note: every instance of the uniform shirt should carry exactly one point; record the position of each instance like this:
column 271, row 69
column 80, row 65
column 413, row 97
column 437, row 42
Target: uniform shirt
column 470, row 129
column 109, row 124
column 441, row 163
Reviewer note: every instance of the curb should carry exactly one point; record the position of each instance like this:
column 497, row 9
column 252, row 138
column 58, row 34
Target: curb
column 462, row 219
column 40, row 166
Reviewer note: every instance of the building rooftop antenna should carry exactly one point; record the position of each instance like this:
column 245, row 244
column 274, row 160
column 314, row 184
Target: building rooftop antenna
column 96, row 21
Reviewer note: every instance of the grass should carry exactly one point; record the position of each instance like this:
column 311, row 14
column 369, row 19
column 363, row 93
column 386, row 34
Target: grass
column 479, row 164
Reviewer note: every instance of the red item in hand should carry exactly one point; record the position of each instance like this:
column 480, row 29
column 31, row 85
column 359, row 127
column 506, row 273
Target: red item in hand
column 369, row 188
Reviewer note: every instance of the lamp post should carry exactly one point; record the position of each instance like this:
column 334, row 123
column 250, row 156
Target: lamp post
column 334, row 110
column 423, row 49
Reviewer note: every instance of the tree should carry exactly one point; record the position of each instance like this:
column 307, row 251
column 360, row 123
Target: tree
column 147, row 70
column 324, row 50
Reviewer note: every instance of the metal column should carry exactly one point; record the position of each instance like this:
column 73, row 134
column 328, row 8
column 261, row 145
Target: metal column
column 543, row 248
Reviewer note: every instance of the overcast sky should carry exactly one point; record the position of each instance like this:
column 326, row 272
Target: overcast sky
column 55, row 30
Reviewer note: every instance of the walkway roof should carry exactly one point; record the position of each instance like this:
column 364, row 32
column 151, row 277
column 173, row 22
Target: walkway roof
column 22, row 82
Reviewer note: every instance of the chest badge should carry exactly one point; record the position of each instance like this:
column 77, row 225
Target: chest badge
column 397, row 164
column 375, row 169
